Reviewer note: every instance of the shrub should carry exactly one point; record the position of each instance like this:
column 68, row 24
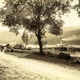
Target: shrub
column 50, row 54
column 29, row 48
column 64, row 56
column 12, row 50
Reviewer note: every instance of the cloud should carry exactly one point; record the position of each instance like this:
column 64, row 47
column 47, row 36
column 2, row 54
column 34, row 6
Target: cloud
column 72, row 19
column 73, row 37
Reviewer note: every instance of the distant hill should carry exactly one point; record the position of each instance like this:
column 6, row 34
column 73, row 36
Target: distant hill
column 9, row 37
column 71, row 36
column 73, row 42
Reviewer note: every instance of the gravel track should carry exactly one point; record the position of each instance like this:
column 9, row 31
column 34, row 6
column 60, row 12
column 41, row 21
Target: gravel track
column 13, row 68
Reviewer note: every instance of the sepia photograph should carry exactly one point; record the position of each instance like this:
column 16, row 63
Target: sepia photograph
column 39, row 39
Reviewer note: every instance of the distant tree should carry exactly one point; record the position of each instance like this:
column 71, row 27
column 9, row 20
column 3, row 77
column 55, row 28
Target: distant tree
column 44, row 43
column 7, row 45
column 25, row 37
column 37, row 16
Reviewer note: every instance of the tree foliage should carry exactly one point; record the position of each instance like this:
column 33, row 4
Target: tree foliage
column 77, row 8
column 37, row 16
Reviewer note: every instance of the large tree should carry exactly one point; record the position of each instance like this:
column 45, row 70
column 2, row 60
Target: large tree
column 37, row 16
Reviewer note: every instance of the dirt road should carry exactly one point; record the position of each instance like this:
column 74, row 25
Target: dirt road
column 13, row 68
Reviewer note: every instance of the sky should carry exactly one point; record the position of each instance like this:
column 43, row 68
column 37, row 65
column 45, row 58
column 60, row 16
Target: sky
column 70, row 20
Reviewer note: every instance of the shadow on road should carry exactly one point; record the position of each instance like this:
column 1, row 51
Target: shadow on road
column 45, row 58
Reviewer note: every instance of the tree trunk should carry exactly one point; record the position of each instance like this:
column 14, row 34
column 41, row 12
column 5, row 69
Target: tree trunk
column 40, row 44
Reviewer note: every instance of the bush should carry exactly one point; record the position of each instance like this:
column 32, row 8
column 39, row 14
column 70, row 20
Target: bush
column 49, row 54
column 29, row 48
column 12, row 50
column 7, row 45
column 35, row 52
column 75, row 60
column 0, row 46
column 64, row 56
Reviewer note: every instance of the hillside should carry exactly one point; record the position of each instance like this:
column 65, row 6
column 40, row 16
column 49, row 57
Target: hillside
column 9, row 37
column 69, row 36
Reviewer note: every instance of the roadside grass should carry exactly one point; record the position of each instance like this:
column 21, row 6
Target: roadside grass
column 46, row 58
column 19, row 55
